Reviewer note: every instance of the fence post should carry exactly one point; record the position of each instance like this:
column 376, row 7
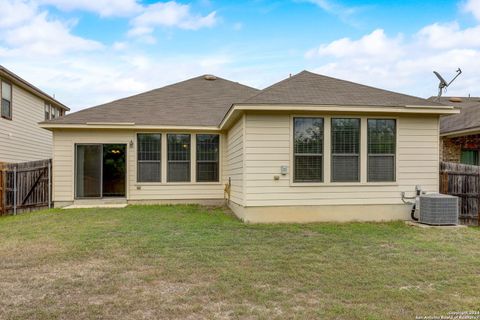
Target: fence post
column 49, row 185
column 15, row 191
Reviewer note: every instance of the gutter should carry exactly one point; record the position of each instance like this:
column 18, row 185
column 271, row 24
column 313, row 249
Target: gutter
column 406, row 109
column 9, row 75
column 123, row 125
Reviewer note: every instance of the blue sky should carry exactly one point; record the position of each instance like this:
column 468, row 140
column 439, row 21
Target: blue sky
column 90, row 52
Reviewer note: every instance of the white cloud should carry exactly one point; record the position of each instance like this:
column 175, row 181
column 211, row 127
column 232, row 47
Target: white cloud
column 169, row 14
column 32, row 32
column 105, row 8
column 15, row 12
column 473, row 7
column 405, row 64
column 333, row 7
column 445, row 36
column 373, row 44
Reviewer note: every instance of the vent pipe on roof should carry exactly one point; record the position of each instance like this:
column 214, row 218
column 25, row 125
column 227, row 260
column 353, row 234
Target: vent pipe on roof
column 210, row 77
column 455, row 99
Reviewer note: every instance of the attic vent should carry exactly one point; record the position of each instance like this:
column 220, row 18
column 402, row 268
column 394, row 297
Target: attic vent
column 210, row 77
column 454, row 99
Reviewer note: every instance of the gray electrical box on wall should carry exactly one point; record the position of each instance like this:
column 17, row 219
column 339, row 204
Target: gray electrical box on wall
column 283, row 170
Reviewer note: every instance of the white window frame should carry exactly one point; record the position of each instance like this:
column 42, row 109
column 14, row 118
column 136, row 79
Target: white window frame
column 193, row 158
column 327, row 181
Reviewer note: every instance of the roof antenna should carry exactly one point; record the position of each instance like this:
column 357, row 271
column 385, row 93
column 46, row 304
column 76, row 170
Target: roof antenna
column 443, row 85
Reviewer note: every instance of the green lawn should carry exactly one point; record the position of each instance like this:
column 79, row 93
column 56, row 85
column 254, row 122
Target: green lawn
column 150, row 262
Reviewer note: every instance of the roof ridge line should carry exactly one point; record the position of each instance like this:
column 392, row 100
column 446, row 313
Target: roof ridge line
column 368, row 86
column 270, row 86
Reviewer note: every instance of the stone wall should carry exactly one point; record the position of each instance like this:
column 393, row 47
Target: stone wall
column 452, row 147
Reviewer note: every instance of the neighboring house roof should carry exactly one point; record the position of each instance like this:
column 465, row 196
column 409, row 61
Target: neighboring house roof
column 467, row 120
column 10, row 76
column 206, row 100
column 200, row 101
column 310, row 88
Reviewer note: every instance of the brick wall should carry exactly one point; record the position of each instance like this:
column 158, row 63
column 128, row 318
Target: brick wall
column 452, row 147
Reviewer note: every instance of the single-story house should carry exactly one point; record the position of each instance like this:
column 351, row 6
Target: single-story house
column 23, row 106
column 460, row 133
column 308, row 148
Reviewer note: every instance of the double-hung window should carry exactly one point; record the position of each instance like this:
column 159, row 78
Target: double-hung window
column 207, row 157
column 345, row 150
column 381, row 150
column 6, row 98
column 178, row 169
column 149, row 157
column 308, row 149
column 48, row 109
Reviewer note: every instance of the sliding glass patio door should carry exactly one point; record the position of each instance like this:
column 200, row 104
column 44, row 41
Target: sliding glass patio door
column 100, row 170
column 89, row 171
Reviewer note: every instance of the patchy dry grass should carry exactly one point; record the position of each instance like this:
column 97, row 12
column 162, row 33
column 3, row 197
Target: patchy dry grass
column 189, row 262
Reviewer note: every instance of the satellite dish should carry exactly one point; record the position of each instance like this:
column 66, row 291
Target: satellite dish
column 443, row 85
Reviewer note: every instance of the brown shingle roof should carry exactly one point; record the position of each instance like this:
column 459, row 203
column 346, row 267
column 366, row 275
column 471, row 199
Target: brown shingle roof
column 193, row 102
column 202, row 102
column 468, row 118
column 311, row 88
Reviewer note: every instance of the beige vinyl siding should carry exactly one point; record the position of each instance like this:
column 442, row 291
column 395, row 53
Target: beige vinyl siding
column 234, row 161
column 63, row 168
column 268, row 146
column 21, row 139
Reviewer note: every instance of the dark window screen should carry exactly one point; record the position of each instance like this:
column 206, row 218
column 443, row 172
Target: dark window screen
column 149, row 157
column 178, row 154
column 345, row 150
column 308, row 149
column 207, row 157
column 381, row 149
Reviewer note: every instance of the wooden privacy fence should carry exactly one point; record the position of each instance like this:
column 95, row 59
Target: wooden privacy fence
column 25, row 186
column 463, row 181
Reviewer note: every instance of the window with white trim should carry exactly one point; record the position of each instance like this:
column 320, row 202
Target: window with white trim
column 149, row 157
column 345, row 160
column 6, row 100
column 308, row 149
column 207, row 157
column 178, row 158
column 381, row 150
column 48, row 109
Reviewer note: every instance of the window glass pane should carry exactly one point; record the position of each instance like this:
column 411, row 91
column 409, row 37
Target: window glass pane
column 381, row 150
column 207, row 171
column 308, row 149
column 88, row 171
column 381, row 136
column 345, row 168
column 345, row 136
column 47, row 112
column 149, row 146
column 178, row 147
column 149, row 171
column 308, row 135
column 6, row 91
column 308, row 168
column 149, row 157
column 178, row 171
column 469, row 157
column 345, row 150
column 6, row 109
column 207, row 157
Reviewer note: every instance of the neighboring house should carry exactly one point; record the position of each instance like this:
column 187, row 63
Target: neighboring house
column 460, row 133
column 309, row 148
column 23, row 106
